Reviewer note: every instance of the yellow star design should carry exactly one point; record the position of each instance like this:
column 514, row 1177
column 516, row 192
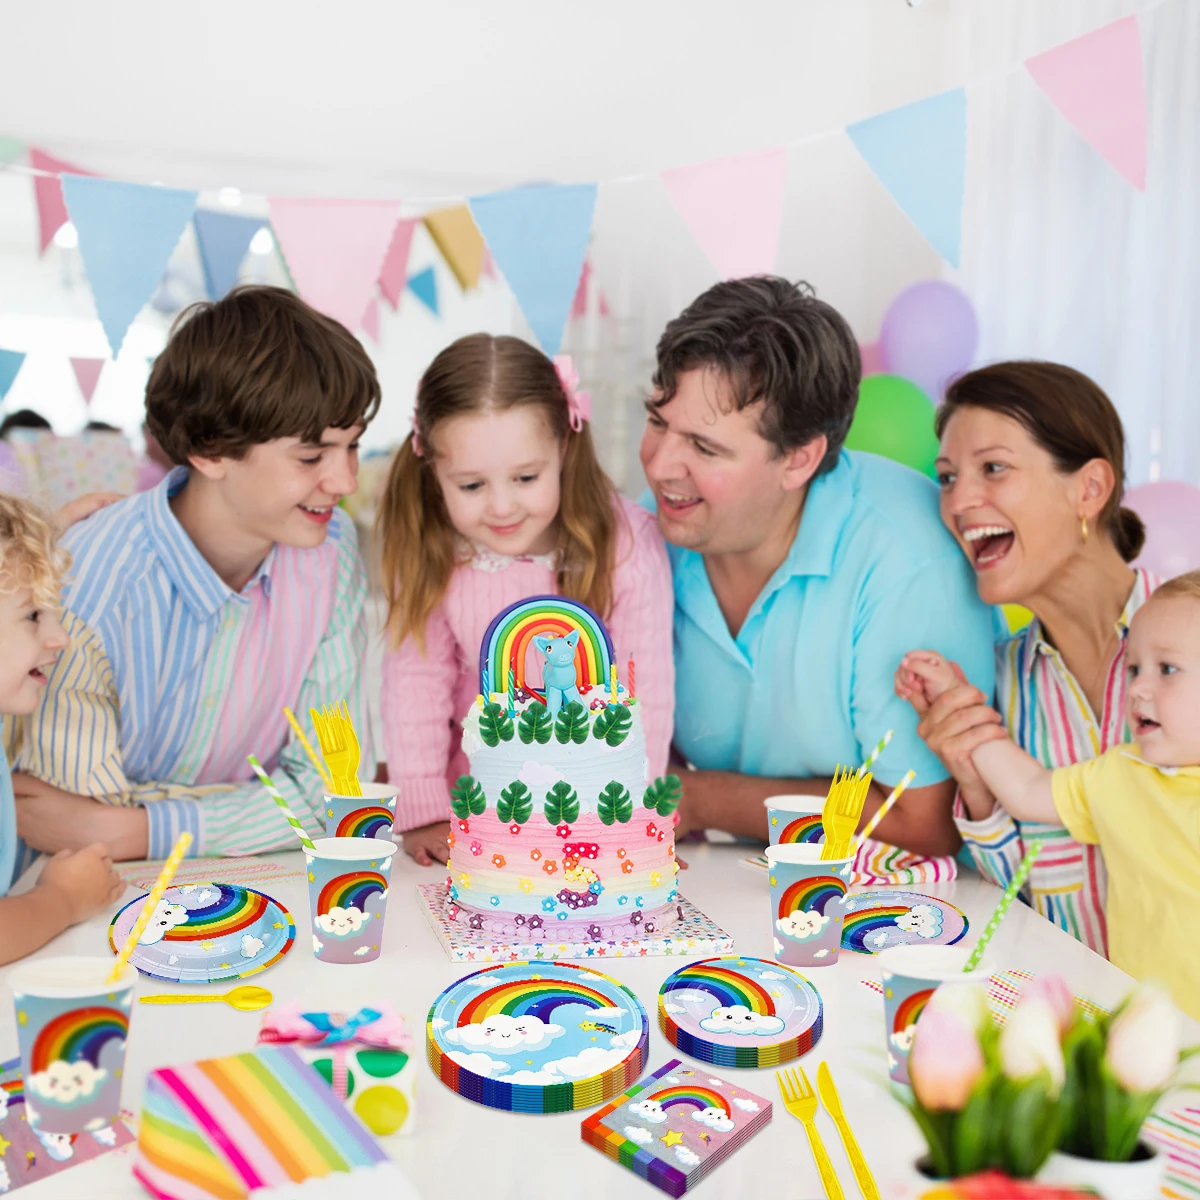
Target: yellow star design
column 671, row 1138
column 774, row 820
column 687, row 1072
column 207, row 945
column 311, row 877
column 22, row 1019
column 4, row 1145
column 535, row 977
column 374, row 864
column 277, row 925
column 773, row 883
column 776, row 992
column 225, row 966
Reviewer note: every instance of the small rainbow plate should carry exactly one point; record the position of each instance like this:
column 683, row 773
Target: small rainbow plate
column 884, row 918
column 207, row 933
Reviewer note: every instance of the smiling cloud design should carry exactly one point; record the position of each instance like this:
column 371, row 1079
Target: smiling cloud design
column 737, row 1018
column 649, row 1110
column 802, row 925
column 635, row 1133
column 251, row 945
column 689, row 1158
column 340, row 922
column 166, row 916
column 925, row 920
column 904, row 1039
column 67, row 1084
column 58, row 1144
column 508, row 1035
column 714, row 1118
column 745, row 1104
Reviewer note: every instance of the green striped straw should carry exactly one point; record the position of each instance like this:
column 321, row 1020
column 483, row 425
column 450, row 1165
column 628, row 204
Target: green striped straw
column 275, row 795
column 1010, row 894
column 883, row 741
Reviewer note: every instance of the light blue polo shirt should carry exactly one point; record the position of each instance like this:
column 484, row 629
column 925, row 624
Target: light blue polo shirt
column 807, row 683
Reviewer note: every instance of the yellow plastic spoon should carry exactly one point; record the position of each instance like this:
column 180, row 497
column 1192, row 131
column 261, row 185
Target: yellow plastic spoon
column 245, row 999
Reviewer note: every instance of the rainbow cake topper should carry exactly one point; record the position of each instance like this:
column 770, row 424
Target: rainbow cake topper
column 511, row 633
column 233, row 910
column 811, row 895
column 79, row 1034
column 727, row 987
column 350, row 891
column 365, row 822
column 806, row 830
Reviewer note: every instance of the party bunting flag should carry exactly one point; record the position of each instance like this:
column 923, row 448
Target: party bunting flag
column 424, row 287
column 10, row 148
column 539, row 238
column 47, row 190
column 223, row 239
column 579, row 304
column 919, row 153
column 733, row 208
column 127, row 234
column 1098, row 83
column 487, row 269
column 395, row 265
column 87, row 375
column 370, row 320
column 10, row 364
column 334, row 250
column 456, row 236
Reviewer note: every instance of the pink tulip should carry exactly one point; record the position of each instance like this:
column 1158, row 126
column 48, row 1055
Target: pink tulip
column 1029, row 1044
column 967, row 1000
column 946, row 1061
column 1054, row 991
column 1143, row 1042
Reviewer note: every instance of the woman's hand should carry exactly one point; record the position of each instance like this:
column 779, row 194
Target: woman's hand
column 427, row 843
column 83, row 507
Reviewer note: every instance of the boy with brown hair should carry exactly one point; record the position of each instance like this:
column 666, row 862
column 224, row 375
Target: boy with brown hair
column 199, row 610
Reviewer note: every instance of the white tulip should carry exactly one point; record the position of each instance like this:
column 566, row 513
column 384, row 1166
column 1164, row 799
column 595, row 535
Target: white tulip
column 966, row 1000
column 1029, row 1044
column 1143, row 1042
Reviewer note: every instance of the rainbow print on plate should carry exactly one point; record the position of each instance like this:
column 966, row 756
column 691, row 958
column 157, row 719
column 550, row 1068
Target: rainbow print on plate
column 537, row 1037
column 740, row 1012
column 207, row 933
column 878, row 920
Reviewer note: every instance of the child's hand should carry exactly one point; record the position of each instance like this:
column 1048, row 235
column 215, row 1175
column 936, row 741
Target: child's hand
column 85, row 879
column 427, row 843
column 924, row 676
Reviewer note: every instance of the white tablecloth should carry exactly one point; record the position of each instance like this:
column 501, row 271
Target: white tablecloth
column 461, row 1149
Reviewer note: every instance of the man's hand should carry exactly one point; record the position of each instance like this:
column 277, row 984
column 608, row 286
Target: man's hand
column 51, row 819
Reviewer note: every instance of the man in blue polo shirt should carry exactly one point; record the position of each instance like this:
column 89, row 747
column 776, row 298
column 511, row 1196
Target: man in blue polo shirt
column 803, row 572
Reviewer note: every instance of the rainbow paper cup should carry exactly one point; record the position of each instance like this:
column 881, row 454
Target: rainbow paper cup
column 808, row 904
column 911, row 974
column 71, row 1028
column 348, row 881
column 370, row 815
column 795, row 820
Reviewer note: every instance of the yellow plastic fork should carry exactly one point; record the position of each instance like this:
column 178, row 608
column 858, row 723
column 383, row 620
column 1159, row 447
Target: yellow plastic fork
column 841, row 814
column 355, row 750
column 801, row 1101
column 333, row 749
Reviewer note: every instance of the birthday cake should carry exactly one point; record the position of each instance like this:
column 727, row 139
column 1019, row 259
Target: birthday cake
column 557, row 833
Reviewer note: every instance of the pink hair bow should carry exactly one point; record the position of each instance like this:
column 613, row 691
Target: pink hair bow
column 579, row 404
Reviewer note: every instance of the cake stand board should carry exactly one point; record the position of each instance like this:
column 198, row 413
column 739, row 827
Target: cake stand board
column 695, row 934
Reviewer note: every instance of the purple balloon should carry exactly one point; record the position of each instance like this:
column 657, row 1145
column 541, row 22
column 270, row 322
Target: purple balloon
column 929, row 335
column 1171, row 513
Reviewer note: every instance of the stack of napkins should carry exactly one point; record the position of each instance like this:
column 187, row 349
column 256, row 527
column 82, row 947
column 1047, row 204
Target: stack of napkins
column 674, row 1126
column 263, row 1123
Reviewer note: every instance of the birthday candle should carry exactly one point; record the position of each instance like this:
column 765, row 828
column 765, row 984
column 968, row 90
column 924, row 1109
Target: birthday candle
column 612, row 682
column 487, row 686
column 632, row 693
column 512, row 693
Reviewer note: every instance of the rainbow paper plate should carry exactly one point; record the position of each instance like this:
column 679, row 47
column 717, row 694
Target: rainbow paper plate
column 740, row 1012
column 207, row 933
column 537, row 1037
column 881, row 919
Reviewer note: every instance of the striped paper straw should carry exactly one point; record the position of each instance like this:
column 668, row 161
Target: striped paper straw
column 275, row 795
column 1010, row 894
column 869, row 827
column 883, row 741
column 156, row 894
column 312, row 754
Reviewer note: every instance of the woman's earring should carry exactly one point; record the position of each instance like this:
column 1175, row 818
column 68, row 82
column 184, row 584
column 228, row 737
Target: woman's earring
column 1084, row 527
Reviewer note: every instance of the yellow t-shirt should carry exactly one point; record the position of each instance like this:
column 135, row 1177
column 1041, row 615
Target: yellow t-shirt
column 1146, row 820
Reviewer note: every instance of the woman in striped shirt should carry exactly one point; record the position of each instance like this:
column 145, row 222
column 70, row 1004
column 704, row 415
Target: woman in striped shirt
column 1032, row 472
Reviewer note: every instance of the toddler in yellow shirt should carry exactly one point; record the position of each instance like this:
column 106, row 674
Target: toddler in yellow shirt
column 1139, row 801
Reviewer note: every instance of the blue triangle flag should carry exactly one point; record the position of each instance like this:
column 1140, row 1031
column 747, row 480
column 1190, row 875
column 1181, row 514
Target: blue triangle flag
column 538, row 237
column 10, row 364
column 919, row 153
column 223, row 239
column 424, row 286
column 127, row 233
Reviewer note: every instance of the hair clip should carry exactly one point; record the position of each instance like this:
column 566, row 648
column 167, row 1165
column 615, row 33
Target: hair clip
column 418, row 447
column 579, row 404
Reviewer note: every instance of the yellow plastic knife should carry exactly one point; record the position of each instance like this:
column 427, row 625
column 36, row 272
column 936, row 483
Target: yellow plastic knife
column 833, row 1106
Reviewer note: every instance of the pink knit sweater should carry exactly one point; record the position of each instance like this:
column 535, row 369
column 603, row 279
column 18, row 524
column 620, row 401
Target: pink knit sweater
column 425, row 696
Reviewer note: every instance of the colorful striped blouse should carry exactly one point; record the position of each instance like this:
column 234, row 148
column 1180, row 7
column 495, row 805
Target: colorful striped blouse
column 172, row 679
column 1048, row 716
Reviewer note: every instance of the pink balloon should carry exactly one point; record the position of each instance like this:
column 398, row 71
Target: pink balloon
column 872, row 358
column 1170, row 510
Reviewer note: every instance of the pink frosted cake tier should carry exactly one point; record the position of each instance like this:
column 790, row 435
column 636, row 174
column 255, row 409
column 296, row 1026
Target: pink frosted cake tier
column 529, row 865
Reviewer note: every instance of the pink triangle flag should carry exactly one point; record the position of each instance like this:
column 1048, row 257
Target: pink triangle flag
column 487, row 268
column 334, row 250
column 394, row 275
column 47, row 190
column 370, row 320
column 87, row 375
column 1098, row 83
column 733, row 207
column 579, row 304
